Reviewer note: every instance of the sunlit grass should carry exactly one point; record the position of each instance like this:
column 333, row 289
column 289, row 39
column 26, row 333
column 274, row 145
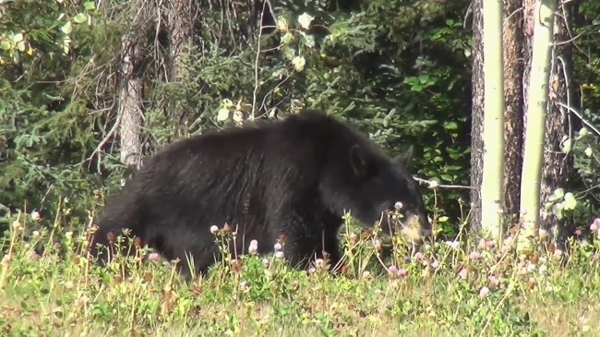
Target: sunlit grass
column 470, row 288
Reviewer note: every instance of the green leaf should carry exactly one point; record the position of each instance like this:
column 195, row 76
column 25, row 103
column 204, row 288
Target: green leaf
column 17, row 37
column 559, row 193
column 223, row 114
column 80, row 18
column 446, row 177
column 89, row 5
column 451, row 126
column 5, row 45
column 67, row 28
column 287, row 38
column 309, row 40
column 570, row 201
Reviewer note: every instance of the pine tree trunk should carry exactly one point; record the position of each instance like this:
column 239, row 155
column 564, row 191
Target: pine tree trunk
column 558, row 166
column 513, row 116
column 477, row 116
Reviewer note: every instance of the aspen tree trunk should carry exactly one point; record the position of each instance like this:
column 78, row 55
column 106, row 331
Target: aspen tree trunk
column 536, row 117
column 477, row 116
column 493, row 133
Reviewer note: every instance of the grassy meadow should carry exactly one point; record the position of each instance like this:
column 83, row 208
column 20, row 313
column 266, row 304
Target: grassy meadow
column 458, row 288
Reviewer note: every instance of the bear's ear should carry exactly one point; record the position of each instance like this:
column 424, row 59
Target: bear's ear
column 406, row 157
column 358, row 160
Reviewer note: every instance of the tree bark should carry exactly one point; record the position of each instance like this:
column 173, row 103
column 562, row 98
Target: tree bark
column 558, row 166
column 513, row 115
column 528, row 15
column 477, row 116
column 183, row 18
column 131, row 102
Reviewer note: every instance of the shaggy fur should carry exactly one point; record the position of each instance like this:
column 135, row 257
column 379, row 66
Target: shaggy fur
column 295, row 177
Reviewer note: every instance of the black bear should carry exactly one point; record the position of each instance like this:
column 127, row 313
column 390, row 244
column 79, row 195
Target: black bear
column 296, row 177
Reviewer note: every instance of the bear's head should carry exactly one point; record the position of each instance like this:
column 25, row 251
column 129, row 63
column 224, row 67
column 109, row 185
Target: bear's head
column 374, row 188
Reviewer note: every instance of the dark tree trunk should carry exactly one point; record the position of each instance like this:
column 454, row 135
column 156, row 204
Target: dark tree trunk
column 557, row 166
column 477, row 116
column 528, row 14
column 513, row 116
column 183, row 19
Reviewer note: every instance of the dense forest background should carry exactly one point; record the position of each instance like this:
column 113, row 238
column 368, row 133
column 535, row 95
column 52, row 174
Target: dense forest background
column 88, row 89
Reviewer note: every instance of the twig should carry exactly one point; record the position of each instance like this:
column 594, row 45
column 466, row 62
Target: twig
column 583, row 120
column 431, row 182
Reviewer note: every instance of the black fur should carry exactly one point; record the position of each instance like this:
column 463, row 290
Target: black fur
column 294, row 177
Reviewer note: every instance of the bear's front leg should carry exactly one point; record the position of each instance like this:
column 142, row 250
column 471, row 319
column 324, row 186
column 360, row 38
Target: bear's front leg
column 299, row 251
column 331, row 248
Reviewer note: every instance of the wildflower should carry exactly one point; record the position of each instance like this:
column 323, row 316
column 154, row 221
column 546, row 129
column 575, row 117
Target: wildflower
column 453, row 244
column 311, row 270
column 154, row 256
column 214, row 229
column 393, row 269
column 401, row 273
column 595, row 257
column 366, row 274
column 253, row 249
column 36, row 234
column 265, row 262
column 578, row 232
column 35, row 216
column 484, row 292
column 33, row 255
column 279, row 254
column 558, row 253
column 483, row 243
column 377, row 244
column 463, row 274
column 475, row 256
column 398, row 205
column 418, row 256
column 17, row 225
column 493, row 280
column 435, row 264
column 277, row 247
column 320, row 264
column 595, row 225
